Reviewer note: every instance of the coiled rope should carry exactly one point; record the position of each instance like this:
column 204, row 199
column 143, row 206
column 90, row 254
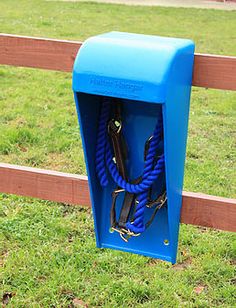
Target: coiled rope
column 104, row 161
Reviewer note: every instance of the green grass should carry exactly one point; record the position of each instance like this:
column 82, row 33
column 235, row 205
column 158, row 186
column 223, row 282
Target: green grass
column 49, row 258
column 47, row 250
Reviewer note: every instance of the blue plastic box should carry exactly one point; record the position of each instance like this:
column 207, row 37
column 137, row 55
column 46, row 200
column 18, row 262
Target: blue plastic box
column 152, row 76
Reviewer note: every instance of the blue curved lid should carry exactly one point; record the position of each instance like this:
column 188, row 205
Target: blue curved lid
column 126, row 65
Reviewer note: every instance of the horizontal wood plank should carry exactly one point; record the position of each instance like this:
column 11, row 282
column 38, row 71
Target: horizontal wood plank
column 197, row 209
column 44, row 184
column 210, row 71
column 209, row 211
column 34, row 52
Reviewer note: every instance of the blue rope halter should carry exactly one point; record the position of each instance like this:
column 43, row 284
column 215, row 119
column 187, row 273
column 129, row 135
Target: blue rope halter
column 104, row 161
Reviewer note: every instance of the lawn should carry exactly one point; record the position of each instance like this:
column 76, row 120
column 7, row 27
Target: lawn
column 48, row 256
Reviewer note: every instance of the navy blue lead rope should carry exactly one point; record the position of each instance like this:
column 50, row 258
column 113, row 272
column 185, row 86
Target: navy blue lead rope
column 104, row 161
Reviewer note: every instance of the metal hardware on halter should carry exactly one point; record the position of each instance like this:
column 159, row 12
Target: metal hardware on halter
column 160, row 200
column 125, row 234
column 118, row 190
column 115, row 125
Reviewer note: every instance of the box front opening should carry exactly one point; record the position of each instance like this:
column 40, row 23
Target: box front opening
column 138, row 123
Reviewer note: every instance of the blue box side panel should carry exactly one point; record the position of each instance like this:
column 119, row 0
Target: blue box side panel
column 175, row 114
column 88, row 127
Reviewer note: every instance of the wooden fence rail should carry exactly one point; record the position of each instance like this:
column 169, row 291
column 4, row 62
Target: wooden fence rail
column 197, row 209
column 210, row 71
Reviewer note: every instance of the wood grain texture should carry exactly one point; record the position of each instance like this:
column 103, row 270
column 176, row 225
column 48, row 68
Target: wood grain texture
column 44, row 184
column 198, row 209
column 209, row 211
column 38, row 52
column 210, row 71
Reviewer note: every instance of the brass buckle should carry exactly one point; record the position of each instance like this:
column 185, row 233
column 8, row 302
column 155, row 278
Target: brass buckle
column 122, row 234
column 117, row 126
column 159, row 202
column 117, row 192
column 125, row 234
